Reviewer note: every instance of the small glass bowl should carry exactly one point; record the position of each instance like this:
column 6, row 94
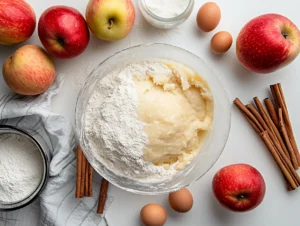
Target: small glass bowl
column 213, row 144
column 165, row 23
column 6, row 129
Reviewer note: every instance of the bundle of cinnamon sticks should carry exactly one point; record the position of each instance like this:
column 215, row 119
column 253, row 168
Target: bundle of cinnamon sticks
column 274, row 126
column 84, row 176
column 84, row 181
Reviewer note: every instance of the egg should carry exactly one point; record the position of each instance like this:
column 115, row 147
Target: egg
column 221, row 42
column 209, row 16
column 181, row 201
column 153, row 215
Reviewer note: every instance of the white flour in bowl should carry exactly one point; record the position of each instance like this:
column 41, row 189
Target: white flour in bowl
column 115, row 134
column 21, row 167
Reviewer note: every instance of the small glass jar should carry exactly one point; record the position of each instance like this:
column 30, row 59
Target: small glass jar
column 162, row 22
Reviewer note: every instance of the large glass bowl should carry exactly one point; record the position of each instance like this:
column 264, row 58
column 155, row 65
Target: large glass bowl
column 213, row 144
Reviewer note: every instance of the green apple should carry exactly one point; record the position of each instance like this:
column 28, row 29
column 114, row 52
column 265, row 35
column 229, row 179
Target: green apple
column 110, row 20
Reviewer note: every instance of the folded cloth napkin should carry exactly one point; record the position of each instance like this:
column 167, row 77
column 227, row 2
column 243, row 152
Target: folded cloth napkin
column 57, row 205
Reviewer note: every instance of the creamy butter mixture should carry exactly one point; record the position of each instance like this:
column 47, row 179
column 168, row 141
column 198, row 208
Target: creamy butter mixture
column 176, row 108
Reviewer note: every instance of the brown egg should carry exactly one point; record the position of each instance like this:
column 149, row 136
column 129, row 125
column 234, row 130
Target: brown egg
column 209, row 16
column 153, row 215
column 221, row 42
column 181, row 201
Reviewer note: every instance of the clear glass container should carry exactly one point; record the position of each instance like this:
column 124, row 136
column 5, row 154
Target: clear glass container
column 213, row 144
column 165, row 23
column 5, row 129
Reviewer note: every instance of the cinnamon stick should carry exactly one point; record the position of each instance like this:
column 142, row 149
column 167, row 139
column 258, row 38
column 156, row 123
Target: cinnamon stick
column 242, row 108
column 86, row 179
column 271, row 125
column 276, row 157
column 272, row 111
column 289, row 187
column 287, row 141
column 255, row 113
column 282, row 95
column 252, row 124
column 83, row 176
column 102, row 196
column 79, row 156
column 90, row 180
column 272, row 87
column 282, row 104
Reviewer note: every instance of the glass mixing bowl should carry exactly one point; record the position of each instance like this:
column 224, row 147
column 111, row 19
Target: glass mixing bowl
column 213, row 144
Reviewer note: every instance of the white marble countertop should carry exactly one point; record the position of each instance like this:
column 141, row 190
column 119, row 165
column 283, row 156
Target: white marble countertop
column 279, row 206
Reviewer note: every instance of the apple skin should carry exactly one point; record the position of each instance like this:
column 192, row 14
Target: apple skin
column 261, row 46
column 17, row 21
column 110, row 20
column 239, row 187
column 29, row 71
column 63, row 32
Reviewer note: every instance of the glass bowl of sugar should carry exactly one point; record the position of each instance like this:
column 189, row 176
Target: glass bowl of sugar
column 23, row 167
column 166, row 13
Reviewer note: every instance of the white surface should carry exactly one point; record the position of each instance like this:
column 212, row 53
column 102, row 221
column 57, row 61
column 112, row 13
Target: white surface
column 279, row 207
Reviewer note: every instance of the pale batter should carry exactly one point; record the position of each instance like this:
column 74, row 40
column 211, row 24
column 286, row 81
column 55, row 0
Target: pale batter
column 177, row 110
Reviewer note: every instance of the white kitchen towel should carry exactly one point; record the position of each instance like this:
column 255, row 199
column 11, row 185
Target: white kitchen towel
column 57, row 205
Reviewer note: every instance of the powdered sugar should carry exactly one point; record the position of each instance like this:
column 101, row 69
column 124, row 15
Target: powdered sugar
column 21, row 168
column 115, row 134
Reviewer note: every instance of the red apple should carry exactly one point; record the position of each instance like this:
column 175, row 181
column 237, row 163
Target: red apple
column 268, row 43
column 63, row 32
column 239, row 187
column 17, row 21
column 29, row 71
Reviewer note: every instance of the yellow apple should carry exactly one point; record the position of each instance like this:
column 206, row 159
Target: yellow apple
column 29, row 71
column 110, row 20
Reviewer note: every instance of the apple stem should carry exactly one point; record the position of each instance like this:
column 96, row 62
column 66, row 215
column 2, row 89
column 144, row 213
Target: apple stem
column 111, row 23
column 284, row 35
column 241, row 197
column 61, row 41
